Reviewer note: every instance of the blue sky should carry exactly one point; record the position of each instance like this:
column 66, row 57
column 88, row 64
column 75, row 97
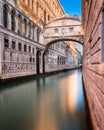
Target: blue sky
column 72, row 7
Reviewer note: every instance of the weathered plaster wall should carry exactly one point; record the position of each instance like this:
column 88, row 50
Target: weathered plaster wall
column 93, row 69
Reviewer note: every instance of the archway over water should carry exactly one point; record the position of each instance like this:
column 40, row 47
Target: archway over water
column 65, row 28
column 77, row 40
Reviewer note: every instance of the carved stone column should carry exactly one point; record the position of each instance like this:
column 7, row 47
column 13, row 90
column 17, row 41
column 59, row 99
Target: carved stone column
column 27, row 31
column 35, row 58
column 27, row 48
column 46, row 60
column 22, row 26
column 31, row 36
column 16, row 45
column 10, row 43
column 35, row 33
column 22, row 46
column 41, row 62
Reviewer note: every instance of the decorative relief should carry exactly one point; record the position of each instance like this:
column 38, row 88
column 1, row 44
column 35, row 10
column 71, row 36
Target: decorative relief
column 17, row 68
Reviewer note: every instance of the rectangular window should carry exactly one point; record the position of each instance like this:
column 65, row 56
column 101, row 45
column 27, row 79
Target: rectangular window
column 13, row 44
column 25, row 48
column 56, row 30
column 29, row 49
column 19, row 46
column 71, row 28
column 6, row 43
column 33, row 50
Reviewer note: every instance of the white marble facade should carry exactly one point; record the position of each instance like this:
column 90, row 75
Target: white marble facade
column 22, row 49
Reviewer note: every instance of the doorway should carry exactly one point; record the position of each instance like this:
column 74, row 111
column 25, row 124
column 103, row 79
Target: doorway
column 38, row 61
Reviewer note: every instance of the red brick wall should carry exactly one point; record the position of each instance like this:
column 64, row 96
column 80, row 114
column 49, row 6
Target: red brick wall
column 93, row 68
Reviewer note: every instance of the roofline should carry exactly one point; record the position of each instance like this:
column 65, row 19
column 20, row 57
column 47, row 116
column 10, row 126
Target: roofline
column 59, row 18
column 61, row 6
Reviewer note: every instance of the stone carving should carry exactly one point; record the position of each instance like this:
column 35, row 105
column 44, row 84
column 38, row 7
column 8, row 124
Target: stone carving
column 17, row 69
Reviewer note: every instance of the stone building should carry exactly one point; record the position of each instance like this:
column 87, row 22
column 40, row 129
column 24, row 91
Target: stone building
column 74, row 52
column 41, row 11
column 22, row 50
column 93, row 69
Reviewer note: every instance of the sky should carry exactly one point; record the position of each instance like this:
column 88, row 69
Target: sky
column 72, row 7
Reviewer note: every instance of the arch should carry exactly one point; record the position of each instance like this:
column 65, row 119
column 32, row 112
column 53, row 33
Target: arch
column 38, row 61
column 13, row 13
column 25, row 26
column 58, row 60
column 63, row 39
column 19, row 23
column 65, row 28
column 5, row 15
column 29, row 34
column 44, row 61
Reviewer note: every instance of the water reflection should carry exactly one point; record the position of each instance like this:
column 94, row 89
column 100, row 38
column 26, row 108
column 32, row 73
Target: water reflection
column 48, row 103
column 69, row 92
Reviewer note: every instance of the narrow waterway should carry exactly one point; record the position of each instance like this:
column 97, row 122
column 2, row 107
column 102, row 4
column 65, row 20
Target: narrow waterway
column 55, row 102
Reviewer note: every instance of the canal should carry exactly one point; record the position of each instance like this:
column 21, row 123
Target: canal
column 53, row 102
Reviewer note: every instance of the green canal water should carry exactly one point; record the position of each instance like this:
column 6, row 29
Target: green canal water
column 54, row 102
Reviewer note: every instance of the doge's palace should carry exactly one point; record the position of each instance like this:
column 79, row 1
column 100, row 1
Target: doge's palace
column 22, row 50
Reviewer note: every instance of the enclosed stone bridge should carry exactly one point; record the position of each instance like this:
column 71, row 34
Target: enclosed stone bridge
column 65, row 28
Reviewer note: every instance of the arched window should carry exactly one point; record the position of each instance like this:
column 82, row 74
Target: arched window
column 25, row 26
column 13, row 20
column 19, row 23
column 5, row 16
column 29, row 30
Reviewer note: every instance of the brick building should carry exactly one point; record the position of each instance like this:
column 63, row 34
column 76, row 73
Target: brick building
column 93, row 69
